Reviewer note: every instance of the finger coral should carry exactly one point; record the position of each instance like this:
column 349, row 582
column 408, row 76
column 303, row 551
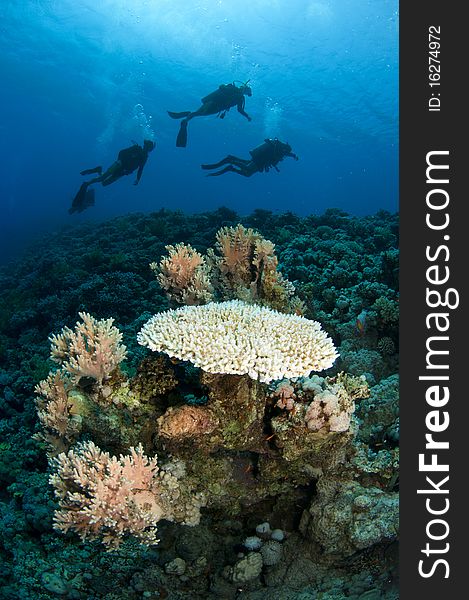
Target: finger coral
column 92, row 350
column 105, row 497
column 241, row 339
column 327, row 410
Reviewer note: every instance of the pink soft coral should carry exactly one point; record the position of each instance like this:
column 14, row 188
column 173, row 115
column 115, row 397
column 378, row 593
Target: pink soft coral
column 60, row 427
column 107, row 497
column 92, row 350
column 184, row 275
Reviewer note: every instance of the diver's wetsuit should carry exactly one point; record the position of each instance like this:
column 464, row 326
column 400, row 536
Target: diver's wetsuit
column 218, row 103
column 265, row 156
column 128, row 160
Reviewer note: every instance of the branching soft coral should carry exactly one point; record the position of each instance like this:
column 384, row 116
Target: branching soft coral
column 107, row 497
column 60, row 426
column 92, row 350
column 242, row 266
column 184, row 275
column 235, row 246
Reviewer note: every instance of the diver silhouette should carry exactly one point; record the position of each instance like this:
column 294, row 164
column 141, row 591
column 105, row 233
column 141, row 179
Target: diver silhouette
column 128, row 160
column 263, row 158
column 218, row 103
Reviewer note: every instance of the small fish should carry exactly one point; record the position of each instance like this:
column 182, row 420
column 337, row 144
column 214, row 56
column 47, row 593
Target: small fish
column 360, row 323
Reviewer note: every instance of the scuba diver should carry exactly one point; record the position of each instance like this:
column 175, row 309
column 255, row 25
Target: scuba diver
column 265, row 156
column 128, row 160
column 218, row 103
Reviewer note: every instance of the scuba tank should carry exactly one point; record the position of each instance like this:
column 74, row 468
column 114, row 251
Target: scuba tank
column 267, row 154
column 214, row 95
column 130, row 158
column 226, row 92
column 223, row 98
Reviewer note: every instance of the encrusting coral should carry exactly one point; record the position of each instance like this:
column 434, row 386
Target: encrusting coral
column 346, row 517
column 241, row 339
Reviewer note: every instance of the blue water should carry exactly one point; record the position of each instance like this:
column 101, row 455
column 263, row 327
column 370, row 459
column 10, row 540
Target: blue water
column 82, row 78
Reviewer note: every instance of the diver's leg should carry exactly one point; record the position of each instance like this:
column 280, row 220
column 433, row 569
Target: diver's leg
column 239, row 162
column 249, row 169
column 224, row 161
column 97, row 170
column 223, row 171
column 95, row 180
column 111, row 178
column 178, row 115
column 111, row 175
column 203, row 111
column 246, row 170
column 102, row 177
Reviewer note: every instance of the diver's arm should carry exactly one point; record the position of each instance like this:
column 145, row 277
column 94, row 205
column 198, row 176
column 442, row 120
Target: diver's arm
column 241, row 110
column 140, row 171
column 292, row 155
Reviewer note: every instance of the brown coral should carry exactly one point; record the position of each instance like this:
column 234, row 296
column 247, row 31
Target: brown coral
column 246, row 268
column 235, row 246
column 186, row 422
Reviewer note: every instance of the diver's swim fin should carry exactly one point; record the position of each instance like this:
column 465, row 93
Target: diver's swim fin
column 181, row 140
column 181, row 115
column 82, row 200
column 98, row 170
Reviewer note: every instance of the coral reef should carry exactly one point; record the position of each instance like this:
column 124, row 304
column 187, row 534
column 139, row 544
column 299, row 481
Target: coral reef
column 316, row 457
